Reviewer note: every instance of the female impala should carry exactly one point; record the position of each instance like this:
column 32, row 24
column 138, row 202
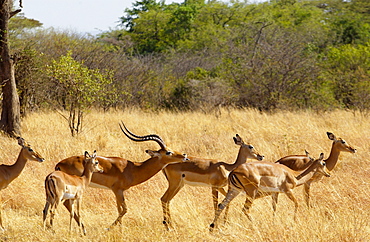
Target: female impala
column 62, row 187
column 269, row 178
column 121, row 174
column 9, row 172
column 299, row 164
column 202, row 172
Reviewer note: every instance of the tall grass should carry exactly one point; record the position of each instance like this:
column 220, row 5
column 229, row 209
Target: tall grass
column 341, row 202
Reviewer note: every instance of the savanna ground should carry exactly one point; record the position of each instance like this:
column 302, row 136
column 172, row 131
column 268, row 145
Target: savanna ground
column 341, row 209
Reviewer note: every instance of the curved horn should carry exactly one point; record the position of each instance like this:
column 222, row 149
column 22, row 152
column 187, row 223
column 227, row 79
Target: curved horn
column 138, row 138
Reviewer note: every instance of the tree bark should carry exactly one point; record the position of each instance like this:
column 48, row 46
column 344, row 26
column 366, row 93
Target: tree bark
column 10, row 113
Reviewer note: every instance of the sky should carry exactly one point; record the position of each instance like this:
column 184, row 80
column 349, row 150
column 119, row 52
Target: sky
column 82, row 16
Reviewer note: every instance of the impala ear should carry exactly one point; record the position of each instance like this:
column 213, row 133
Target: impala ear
column 21, row 141
column 238, row 140
column 152, row 153
column 86, row 154
column 331, row 136
column 94, row 154
column 321, row 156
column 308, row 155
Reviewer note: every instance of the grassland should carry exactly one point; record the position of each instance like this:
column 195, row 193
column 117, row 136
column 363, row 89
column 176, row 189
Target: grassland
column 341, row 209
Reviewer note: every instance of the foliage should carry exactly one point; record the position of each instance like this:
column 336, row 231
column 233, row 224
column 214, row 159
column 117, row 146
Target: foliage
column 200, row 55
column 19, row 24
column 349, row 68
column 29, row 65
column 80, row 87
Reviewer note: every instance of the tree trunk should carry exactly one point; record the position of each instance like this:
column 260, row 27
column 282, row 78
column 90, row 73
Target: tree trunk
column 10, row 113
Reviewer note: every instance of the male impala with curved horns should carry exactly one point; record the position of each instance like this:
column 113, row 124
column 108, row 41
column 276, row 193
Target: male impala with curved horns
column 121, row 174
column 298, row 163
column 9, row 172
column 203, row 172
column 62, row 187
column 269, row 178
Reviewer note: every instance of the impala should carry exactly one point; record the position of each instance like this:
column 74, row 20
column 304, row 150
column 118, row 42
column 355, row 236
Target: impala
column 202, row 172
column 268, row 178
column 62, row 187
column 121, row 174
column 297, row 162
column 300, row 163
column 9, row 172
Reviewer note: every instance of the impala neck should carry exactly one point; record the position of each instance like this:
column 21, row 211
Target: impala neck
column 332, row 160
column 241, row 158
column 147, row 169
column 17, row 167
column 306, row 175
column 87, row 174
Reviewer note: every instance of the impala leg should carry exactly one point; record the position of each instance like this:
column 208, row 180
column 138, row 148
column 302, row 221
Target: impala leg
column 247, row 206
column 215, row 198
column 77, row 217
column 275, row 197
column 291, row 196
column 53, row 208
column 81, row 225
column 222, row 191
column 251, row 192
column 121, row 206
column 52, row 214
column 1, row 220
column 68, row 205
column 306, row 193
column 71, row 215
column 173, row 188
column 231, row 194
column 45, row 213
column 215, row 201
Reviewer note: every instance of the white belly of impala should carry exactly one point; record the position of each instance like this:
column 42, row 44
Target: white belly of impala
column 67, row 196
column 268, row 189
column 95, row 185
column 202, row 184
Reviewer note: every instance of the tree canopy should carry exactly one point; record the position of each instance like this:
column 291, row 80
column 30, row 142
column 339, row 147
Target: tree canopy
column 200, row 55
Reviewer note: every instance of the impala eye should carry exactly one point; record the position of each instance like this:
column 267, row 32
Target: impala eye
column 343, row 141
column 323, row 163
column 30, row 150
column 169, row 153
column 250, row 147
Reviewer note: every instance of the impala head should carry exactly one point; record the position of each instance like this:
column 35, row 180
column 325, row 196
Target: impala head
column 321, row 166
column 340, row 143
column 168, row 156
column 91, row 159
column 28, row 152
column 318, row 166
column 164, row 153
column 251, row 151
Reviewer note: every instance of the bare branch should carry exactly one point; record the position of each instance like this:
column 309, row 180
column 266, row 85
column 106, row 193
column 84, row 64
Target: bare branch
column 15, row 12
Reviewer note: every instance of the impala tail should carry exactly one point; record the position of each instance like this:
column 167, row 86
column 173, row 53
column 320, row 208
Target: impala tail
column 51, row 196
column 50, row 189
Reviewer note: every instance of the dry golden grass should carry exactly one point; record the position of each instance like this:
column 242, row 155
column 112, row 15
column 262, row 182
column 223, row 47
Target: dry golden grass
column 341, row 203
